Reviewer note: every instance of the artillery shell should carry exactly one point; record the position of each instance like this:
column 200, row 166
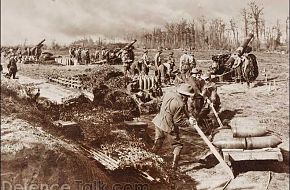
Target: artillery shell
column 233, row 143
column 263, row 142
column 248, row 131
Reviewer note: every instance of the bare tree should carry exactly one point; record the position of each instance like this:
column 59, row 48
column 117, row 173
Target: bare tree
column 233, row 26
column 278, row 34
column 256, row 13
column 245, row 15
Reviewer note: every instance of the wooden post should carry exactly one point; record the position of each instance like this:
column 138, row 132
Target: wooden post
column 270, row 87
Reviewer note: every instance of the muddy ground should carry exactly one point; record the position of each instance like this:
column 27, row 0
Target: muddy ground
column 266, row 102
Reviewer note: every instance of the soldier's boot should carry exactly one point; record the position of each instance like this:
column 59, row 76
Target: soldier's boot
column 175, row 161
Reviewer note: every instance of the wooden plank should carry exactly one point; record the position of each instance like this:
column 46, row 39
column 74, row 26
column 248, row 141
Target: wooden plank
column 214, row 151
column 256, row 154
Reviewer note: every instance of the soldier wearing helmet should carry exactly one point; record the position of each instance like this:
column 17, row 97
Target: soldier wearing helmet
column 173, row 115
column 209, row 93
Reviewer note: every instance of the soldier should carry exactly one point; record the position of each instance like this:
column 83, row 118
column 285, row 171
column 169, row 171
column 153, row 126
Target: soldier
column 184, row 74
column 209, row 93
column 38, row 51
column 145, row 60
column 192, row 61
column 71, row 52
column 79, row 55
column 173, row 115
column 97, row 55
column 170, row 64
column 12, row 67
column 131, row 54
column 136, row 67
column 87, row 56
column 163, row 76
column 196, row 102
column 158, row 61
column 184, row 59
column 126, row 62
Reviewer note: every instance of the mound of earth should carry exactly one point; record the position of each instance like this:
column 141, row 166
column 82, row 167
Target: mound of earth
column 30, row 156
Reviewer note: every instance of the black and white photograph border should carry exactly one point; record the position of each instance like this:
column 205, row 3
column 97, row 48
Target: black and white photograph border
column 139, row 95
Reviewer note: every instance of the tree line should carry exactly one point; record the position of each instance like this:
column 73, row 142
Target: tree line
column 204, row 33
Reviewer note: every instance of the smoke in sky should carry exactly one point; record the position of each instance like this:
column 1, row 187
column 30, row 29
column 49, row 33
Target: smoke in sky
column 68, row 20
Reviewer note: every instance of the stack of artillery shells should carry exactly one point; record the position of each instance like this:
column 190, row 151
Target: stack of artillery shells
column 245, row 134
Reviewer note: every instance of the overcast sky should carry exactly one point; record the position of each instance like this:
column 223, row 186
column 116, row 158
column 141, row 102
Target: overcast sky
column 68, row 20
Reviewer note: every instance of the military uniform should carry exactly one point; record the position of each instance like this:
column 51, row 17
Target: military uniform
column 173, row 115
column 191, row 61
column 183, row 75
column 136, row 68
column 170, row 64
column 158, row 62
column 12, row 67
column 145, row 65
column 209, row 91
column 126, row 61
column 184, row 59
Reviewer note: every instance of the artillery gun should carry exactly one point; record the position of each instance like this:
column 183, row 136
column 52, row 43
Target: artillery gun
column 223, row 65
column 36, row 50
column 116, row 58
column 36, row 55
column 126, row 47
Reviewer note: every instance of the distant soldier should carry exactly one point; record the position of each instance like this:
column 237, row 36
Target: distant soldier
column 25, row 52
column 163, row 74
column 237, row 65
column 131, row 54
column 170, row 64
column 18, row 52
column 102, row 53
column 184, row 59
column 97, row 55
column 38, row 51
column 158, row 61
column 12, row 67
column 72, row 52
column 136, row 67
column 28, row 51
column 79, row 55
column 192, row 61
column 184, row 74
column 126, row 62
column 87, row 56
column 83, row 56
column 146, row 62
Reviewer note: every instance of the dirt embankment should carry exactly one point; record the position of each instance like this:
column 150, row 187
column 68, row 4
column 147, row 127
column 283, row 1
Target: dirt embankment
column 32, row 156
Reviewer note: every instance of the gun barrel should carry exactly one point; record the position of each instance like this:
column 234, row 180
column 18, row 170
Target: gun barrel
column 245, row 43
column 127, row 46
column 40, row 43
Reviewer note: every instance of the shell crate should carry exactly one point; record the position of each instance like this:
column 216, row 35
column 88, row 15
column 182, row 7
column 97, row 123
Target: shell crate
column 231, row 155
